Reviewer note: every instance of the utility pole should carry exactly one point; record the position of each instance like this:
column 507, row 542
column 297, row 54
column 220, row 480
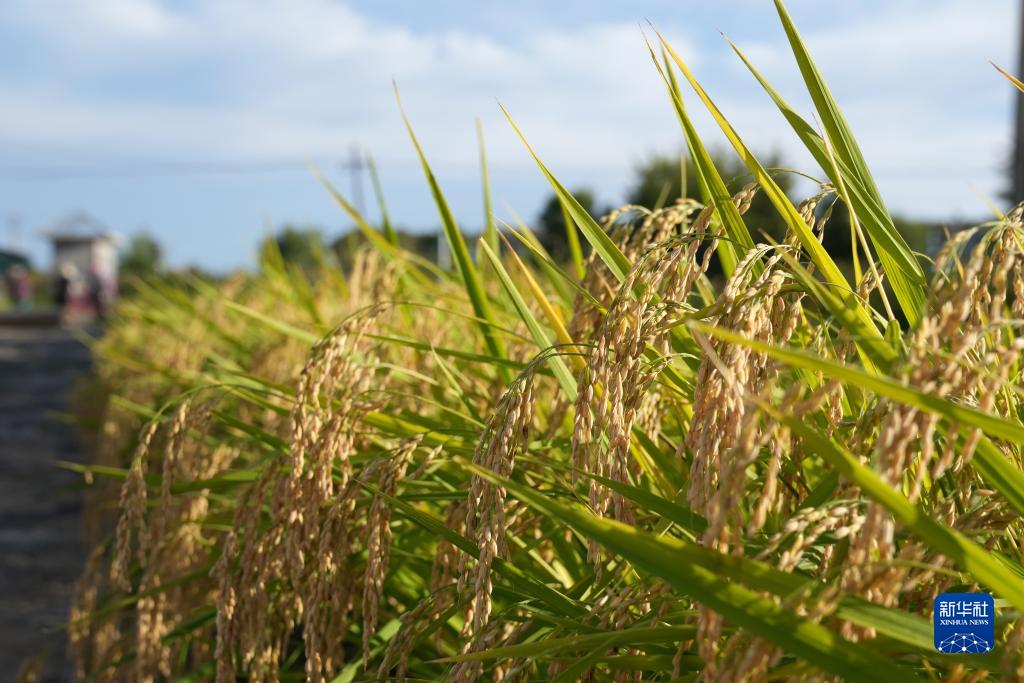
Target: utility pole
column 1018, row 137
column 355, row 165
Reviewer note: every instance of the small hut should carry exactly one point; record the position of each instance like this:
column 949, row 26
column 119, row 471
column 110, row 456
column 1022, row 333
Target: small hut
column 85, row 257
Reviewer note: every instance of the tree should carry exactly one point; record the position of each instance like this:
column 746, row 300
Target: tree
column 551, row 223
column 921, row 236
column 142, row 258
column 298, row 246
column 345, row 247
column 658, row 183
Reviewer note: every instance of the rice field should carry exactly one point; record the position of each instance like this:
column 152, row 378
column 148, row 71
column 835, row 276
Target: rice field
column 616, row 468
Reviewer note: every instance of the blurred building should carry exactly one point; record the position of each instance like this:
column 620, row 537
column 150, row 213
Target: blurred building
column 85, row 250
column 85, row 244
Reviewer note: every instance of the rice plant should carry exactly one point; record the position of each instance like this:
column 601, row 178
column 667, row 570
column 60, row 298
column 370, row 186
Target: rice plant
column 618, row 468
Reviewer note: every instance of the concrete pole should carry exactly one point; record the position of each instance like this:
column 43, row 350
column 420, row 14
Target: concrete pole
column 1018, row 129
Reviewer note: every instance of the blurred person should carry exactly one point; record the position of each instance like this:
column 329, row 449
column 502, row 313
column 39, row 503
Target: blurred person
column 98, row 295
column 69, row 289
column 19, row 287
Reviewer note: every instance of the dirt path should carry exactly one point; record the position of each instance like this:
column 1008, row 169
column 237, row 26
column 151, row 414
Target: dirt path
column 40, row 506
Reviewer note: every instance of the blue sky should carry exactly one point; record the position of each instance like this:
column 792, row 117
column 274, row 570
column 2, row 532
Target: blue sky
column 192, row 120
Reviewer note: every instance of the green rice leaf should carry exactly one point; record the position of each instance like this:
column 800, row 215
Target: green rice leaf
column 990, row 462
column 609, row 253
column 378, row 192
column 784, row 206
column 457, row 244
column 680, row 564
column 901, row 266
column 711, row 182
column 583, row 642
column 540, row 336
column 517, row 578
column 490, row 230
column 967, row 554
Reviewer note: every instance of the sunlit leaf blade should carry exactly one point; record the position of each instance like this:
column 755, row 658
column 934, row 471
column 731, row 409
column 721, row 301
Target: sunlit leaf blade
column 566, row 285
column 373, row 236
column 711, row 182
column 904, row 627
column 518, row 578
column 967, row 554
column 551, row 646
column 457, row 244
column 610, row 254
column 1010, row 77
column 672, row 561
column 378, row 192
column 901, row 266
column 783, row 205
column 555, row 320
column 575, row 250
column 273, row 323
column 490, row 230
column 1000, row 473
column 875, row 353
column 540, row 336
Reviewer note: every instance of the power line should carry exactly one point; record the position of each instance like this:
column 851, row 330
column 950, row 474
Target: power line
column 355, row 165
column 130, row 170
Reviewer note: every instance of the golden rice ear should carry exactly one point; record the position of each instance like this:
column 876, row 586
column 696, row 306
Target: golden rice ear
column 507, row 432
column 132, row 522
column 629, row 465
column 378, row 545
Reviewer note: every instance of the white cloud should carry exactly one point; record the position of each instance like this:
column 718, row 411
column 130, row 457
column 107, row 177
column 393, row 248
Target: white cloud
column 92, row 25
column 229, row 79
column 311, row 77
